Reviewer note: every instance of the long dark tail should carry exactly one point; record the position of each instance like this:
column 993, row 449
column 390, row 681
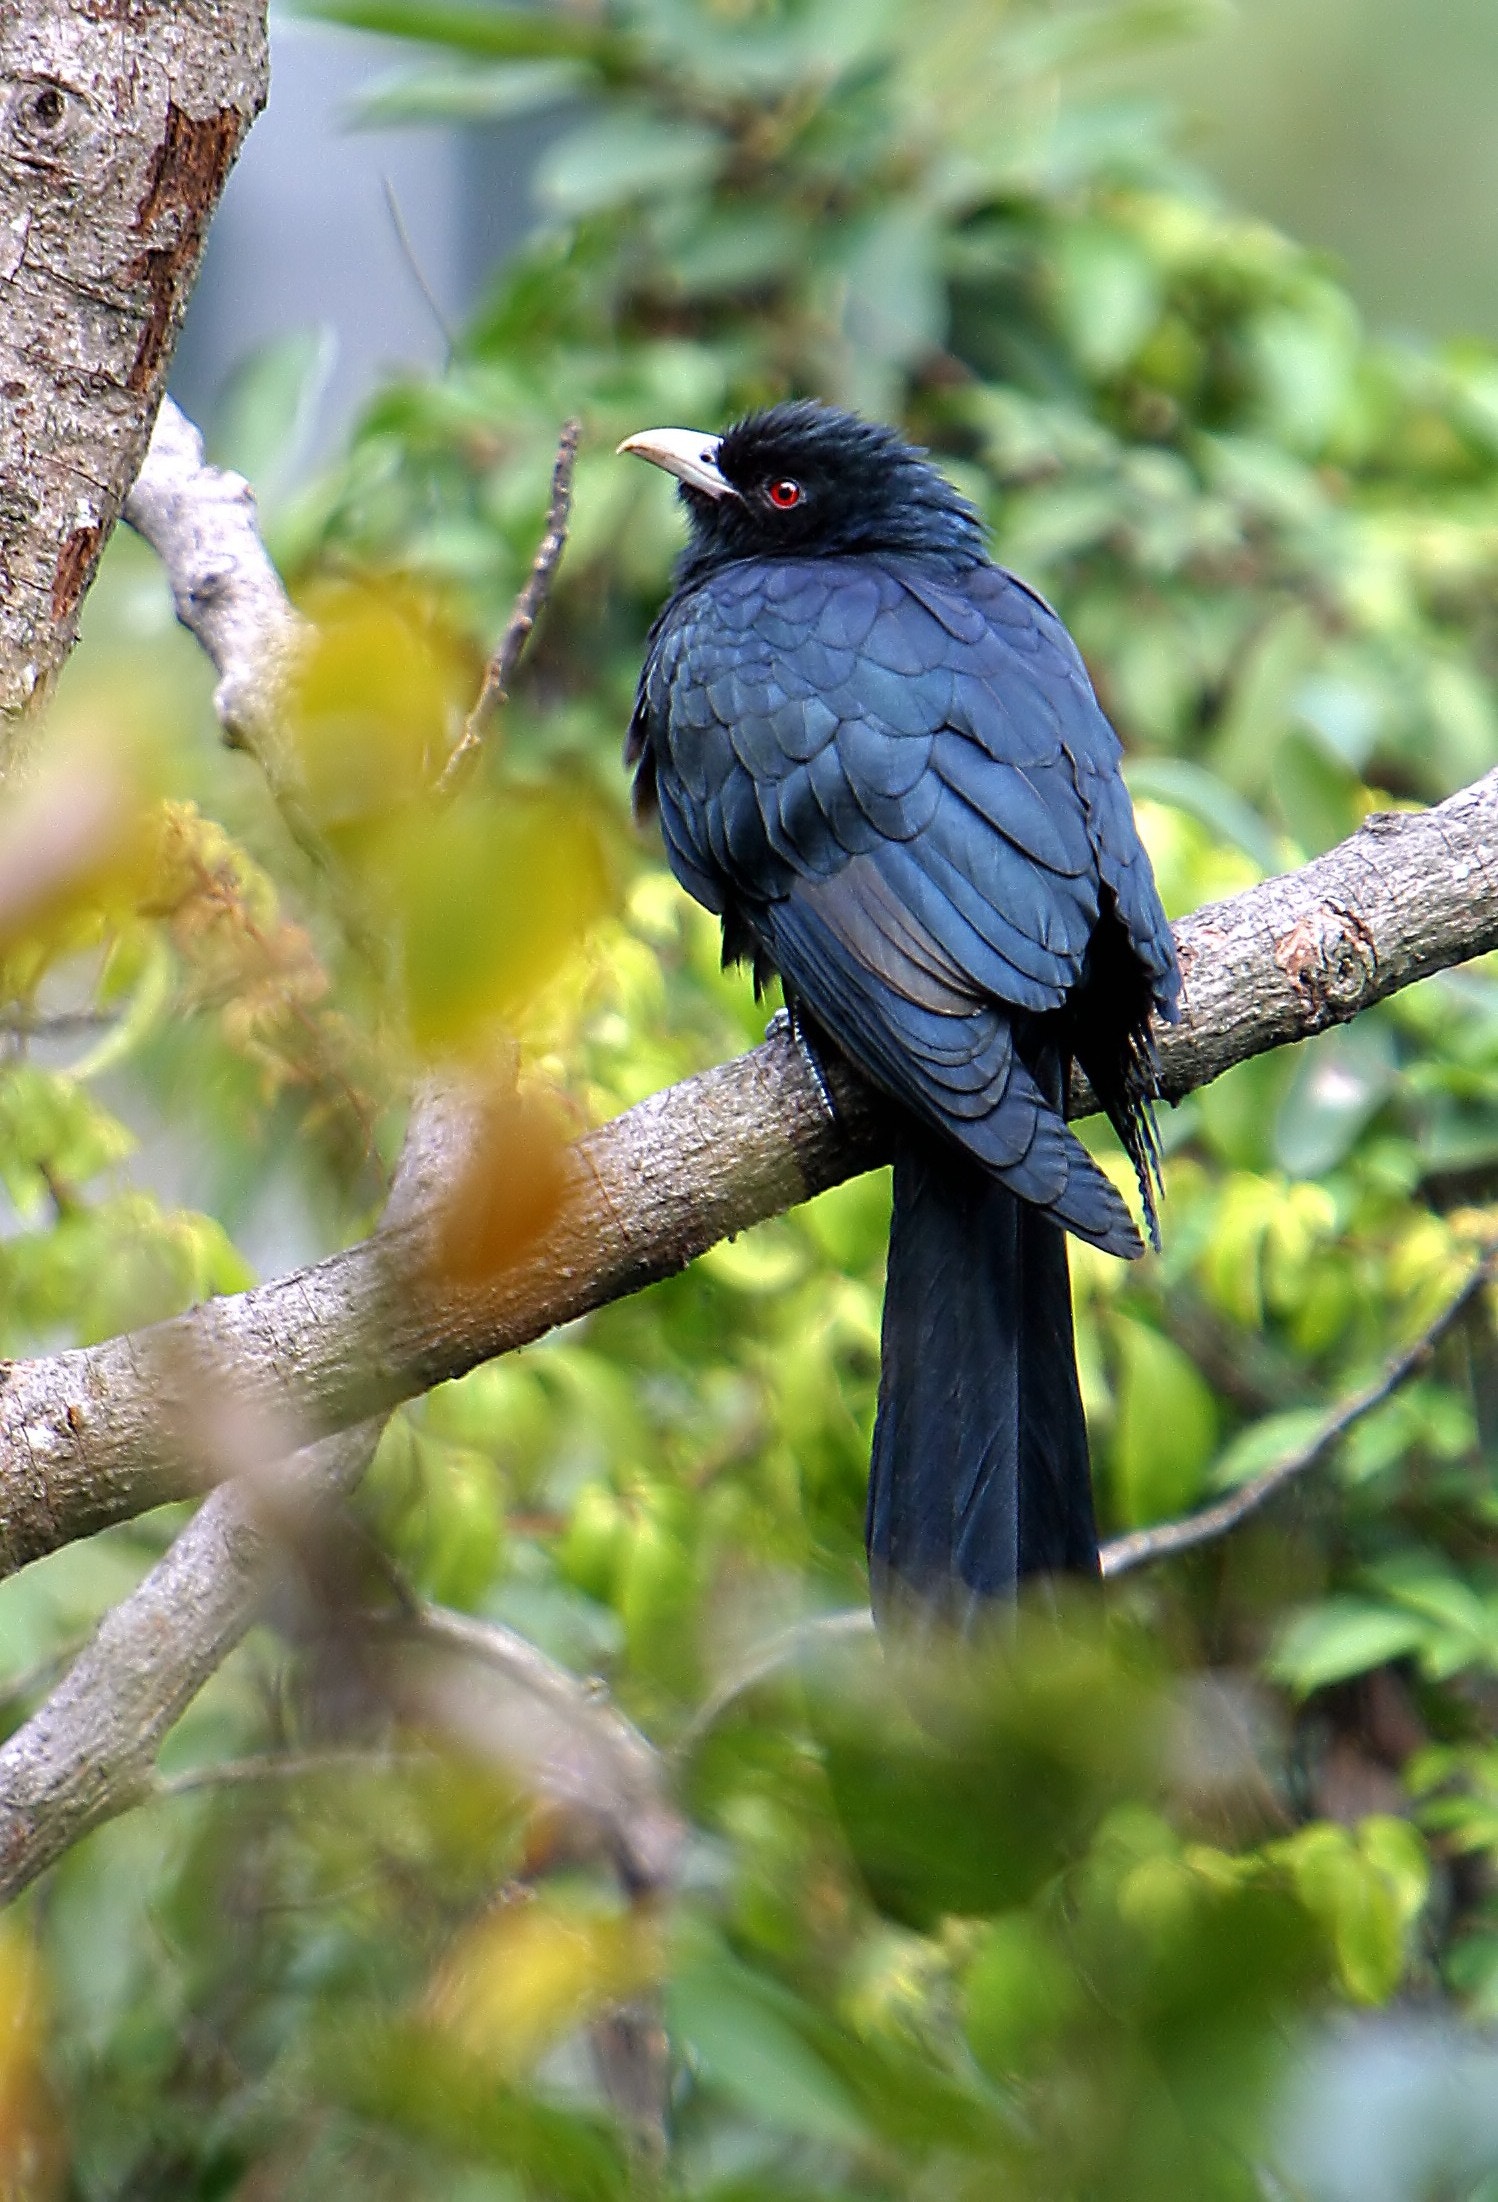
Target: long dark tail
column 980, row 1472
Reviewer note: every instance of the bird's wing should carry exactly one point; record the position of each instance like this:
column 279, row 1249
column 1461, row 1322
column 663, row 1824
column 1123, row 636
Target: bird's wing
column 894, row 781
column 1095, row 755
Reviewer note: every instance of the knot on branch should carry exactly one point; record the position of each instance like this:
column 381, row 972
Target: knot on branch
column 1330, row 959
column 49, row 127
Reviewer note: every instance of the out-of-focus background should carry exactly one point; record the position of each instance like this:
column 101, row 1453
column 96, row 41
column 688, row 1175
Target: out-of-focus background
column 1364, row 127
column 1185, row 1889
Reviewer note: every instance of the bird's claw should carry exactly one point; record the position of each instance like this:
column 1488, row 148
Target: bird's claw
column 786, row 1021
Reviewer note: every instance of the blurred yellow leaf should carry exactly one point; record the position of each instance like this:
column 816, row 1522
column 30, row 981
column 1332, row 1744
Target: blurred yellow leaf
column 488, row 898
column 31, row 2139
column 534, row 1970
column 75, row 853
column 510, row 1187
column 376, row 701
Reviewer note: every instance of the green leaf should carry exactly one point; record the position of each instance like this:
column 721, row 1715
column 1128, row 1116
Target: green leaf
column 1342, row 1079
column 623, row 155
column 404, row 2077
column 1396, row 1850
column 265, row 414
column 484, row 27
column 1207, row 797
column 1343, row 713
column 1320, row 798
column 896, row 304
column 1342, row 1637
column 468, row 95
column 53, row 1134
column 1265, row 1444
column 1108, row 295
column 1017, row 1994
column 742, row 2029
column 1304, row 362
column 1166, row 1426
column 1362, row 1908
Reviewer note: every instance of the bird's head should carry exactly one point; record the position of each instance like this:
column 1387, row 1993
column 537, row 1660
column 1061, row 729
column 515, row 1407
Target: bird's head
column 805, row 480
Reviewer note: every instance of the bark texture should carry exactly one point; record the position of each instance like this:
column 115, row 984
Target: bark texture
column 201, row 522
column 119, row 121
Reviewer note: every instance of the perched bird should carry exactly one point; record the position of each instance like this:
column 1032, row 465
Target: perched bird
column 878, row 758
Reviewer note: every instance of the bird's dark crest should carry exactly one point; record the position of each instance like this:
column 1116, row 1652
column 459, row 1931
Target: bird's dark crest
column 864, row 489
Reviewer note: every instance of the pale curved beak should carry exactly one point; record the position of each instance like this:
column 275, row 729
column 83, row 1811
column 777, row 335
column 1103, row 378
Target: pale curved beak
column 685, row 452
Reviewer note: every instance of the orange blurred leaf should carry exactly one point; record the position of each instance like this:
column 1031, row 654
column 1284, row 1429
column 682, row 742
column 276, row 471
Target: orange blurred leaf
column 511, row 1185
column 376, row 697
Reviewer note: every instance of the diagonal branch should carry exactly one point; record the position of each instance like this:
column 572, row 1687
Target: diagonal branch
column 89, row 1753
column 1138, row 1547
column 95, row 1436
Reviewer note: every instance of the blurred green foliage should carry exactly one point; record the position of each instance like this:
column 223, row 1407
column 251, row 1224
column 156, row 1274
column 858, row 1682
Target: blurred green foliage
column 1053, row 1923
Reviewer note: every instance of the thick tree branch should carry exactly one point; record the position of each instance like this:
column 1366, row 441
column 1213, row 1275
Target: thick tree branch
column 88, row 1754
column 92, row 1437
column 118, row 127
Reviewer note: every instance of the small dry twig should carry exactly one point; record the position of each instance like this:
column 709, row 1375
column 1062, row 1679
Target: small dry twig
column 1162, row 1539
column 529, row 605
column 564, row 1735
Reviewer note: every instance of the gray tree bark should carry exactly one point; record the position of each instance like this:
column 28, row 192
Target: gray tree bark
column 118, row 125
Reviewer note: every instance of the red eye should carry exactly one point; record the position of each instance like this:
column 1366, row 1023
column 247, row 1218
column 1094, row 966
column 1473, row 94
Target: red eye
column 783, row 494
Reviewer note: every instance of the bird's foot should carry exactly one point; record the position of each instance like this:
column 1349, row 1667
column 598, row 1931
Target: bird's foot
column 789, row 1020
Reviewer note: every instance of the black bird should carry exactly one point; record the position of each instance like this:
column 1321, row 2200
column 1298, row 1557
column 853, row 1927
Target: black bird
column 878, row 758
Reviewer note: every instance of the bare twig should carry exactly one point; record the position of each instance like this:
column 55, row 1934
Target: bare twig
column 200, row 521
column 803, row 1639
column 1141, row 1547
column 417, row 271
column 1163, row 1539
column 528, row 608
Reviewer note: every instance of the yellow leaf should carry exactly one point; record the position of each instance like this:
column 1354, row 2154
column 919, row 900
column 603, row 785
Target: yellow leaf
column 535, row 1970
